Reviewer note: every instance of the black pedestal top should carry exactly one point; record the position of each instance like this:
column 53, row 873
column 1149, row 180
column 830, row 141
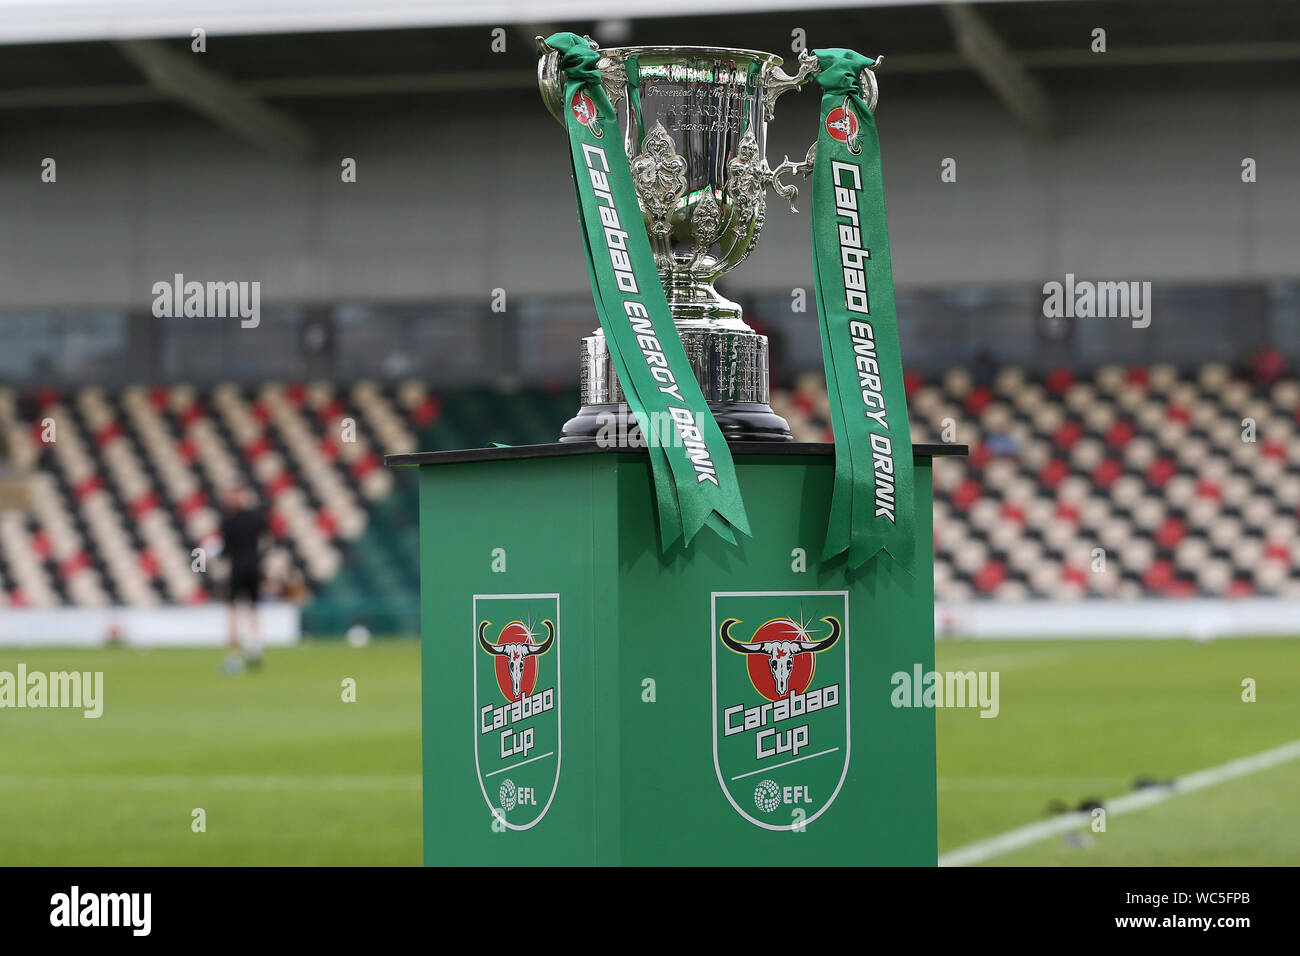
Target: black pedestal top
column 561, row 449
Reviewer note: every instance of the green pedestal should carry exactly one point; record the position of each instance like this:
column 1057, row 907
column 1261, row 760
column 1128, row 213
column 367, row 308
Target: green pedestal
column 587, row 700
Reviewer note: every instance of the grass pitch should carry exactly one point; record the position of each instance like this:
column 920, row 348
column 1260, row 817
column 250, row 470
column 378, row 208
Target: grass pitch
column 1083, row 720
column 285, row 771
column 288, row 773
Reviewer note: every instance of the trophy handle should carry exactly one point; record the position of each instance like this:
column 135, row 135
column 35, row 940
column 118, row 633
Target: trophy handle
column 789, row 191
column 776, row 82
column 550, row 80
column 782, row 82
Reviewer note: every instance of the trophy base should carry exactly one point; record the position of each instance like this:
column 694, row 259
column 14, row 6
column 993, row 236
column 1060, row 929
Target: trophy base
column 730, row 365
column 613, row 424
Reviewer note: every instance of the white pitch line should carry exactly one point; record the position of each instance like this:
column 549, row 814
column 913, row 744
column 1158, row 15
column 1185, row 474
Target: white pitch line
column 994, row 784
column 1020, row 837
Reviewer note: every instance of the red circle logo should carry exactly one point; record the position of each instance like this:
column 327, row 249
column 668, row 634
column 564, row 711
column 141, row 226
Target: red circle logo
column 842, row 124
column 764, row 667
column 585, row 110
column 516, row 633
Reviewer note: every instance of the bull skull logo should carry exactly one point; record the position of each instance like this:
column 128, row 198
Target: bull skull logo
column 584, row 109
column 516, row 645
column 842, row 124
column 782, row 641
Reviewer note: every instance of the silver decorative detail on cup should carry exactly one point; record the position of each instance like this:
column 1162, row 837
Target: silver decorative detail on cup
column 659, row 175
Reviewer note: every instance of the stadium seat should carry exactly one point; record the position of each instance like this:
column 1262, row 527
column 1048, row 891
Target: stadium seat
column 1147, row 464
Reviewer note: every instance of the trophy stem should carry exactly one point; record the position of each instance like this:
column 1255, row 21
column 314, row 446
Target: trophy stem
column 694, row 302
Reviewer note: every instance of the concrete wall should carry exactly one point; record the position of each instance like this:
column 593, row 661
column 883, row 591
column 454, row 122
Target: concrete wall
column 140, row 627
column 1201, row 619
column 453, row 202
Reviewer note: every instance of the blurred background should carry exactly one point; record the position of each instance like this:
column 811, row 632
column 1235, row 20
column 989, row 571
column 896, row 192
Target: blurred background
column 1124, row 482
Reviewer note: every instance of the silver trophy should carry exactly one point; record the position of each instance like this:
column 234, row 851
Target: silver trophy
column 695, row 131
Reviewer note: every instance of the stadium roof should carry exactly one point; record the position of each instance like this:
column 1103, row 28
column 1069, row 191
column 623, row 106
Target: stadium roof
column 45, row 21
column 276, row 58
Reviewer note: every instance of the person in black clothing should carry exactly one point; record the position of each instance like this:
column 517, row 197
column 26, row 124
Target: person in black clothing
column 242, row 529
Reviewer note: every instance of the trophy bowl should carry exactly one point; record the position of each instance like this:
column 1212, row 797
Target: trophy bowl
column 694, row 125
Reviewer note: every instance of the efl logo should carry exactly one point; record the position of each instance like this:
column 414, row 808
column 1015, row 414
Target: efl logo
column 512, row 796
column 517, row 704
column 780, row 703
column 768, row 796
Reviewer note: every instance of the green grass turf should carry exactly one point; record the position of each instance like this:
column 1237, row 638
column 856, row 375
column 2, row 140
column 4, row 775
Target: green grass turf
column 1250, row 821
column 286, row 771
column 290, row 774
column 1084, row 719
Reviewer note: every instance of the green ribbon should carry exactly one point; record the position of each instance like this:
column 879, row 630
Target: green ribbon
column 872, row 503
column 695, row 479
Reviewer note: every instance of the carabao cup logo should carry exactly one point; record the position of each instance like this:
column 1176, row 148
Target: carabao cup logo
column 516, row 650
column 517, row 704
column 782, row 654
column 842, row 124
column 584, row 108
column 781, row 703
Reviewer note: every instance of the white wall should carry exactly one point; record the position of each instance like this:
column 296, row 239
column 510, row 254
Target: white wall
column 203, row 626
column 1201, row 619
column 1139, row 185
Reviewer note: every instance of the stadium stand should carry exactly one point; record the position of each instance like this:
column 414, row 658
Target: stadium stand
column 1188, row 485
column 1164, row 473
